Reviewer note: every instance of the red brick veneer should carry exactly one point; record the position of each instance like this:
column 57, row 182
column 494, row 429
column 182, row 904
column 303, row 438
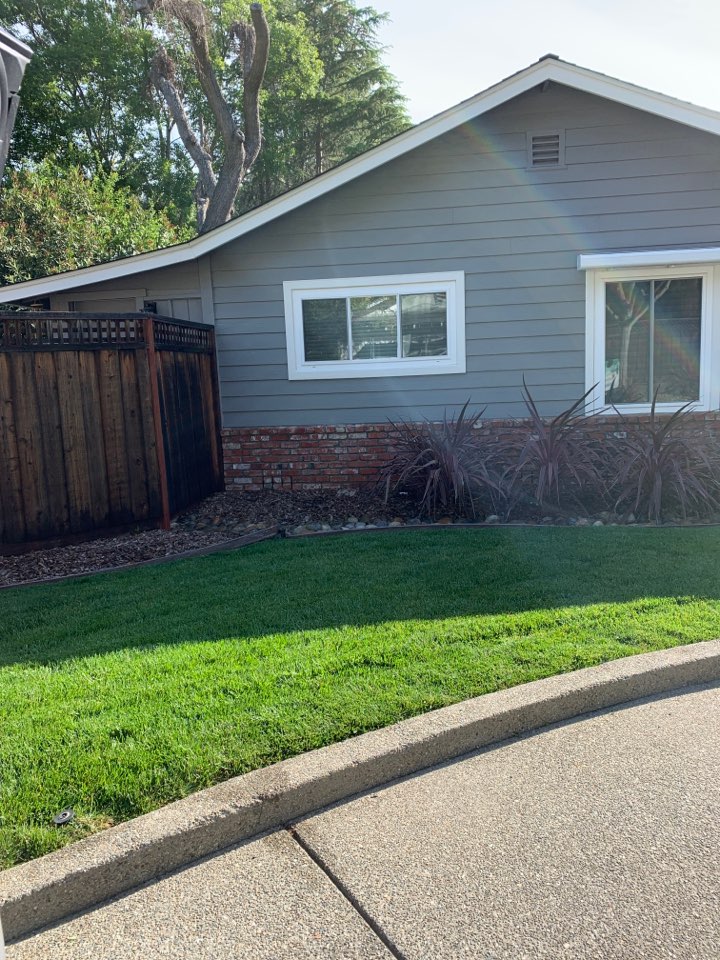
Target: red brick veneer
column 343, row 456
column 306, row 457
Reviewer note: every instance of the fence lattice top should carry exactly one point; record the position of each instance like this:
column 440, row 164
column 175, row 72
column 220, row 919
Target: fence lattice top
column 182, row 335
column 46, row 330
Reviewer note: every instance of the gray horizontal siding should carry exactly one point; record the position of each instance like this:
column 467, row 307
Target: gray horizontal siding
column 467, row 202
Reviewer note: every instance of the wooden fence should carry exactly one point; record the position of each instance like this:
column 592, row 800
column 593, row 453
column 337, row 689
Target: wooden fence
column 106, row 420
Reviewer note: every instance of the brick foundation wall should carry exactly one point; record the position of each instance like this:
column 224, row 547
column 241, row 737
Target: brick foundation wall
column 306, row 458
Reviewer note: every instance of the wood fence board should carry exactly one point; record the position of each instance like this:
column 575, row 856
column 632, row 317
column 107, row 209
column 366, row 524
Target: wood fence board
column 53, row 455
column 29, row 445
column 201, row 440
column 114, row 431
column 13, row 511
column 75, row 445
column 84, row 402
column 95, row 438
column 177, row 481
column 134, row 439
column 152, row 468
column 188, row 438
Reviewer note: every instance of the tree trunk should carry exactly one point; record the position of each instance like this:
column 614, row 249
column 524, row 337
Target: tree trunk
column 215, row 193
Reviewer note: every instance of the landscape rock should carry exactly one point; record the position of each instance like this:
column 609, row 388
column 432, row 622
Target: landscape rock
column 493, row 518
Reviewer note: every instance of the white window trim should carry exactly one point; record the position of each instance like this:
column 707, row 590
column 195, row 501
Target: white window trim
column 452, row 284
column 649, row 258
column 709, row 395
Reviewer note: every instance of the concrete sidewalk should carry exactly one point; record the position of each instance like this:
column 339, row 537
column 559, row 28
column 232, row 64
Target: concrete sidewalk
column 594, row 838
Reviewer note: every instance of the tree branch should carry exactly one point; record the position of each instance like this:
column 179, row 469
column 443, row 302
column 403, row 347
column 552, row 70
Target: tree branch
column 162, row 76
column 215, row 195
column 193, row 16
column 254, row 43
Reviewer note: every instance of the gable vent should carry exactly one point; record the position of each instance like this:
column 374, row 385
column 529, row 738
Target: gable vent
column 546, row 149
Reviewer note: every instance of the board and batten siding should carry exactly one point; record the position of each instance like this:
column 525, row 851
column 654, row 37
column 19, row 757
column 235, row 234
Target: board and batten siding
column 176, row 290
column 466, row 201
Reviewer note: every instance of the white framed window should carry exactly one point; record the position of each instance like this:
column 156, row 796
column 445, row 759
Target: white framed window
column 375, row 326
column 651, row 330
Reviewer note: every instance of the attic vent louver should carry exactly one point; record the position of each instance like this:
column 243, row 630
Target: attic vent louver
column 546, row 149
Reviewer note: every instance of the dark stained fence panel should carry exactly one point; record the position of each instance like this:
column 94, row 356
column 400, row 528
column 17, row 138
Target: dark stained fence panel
column 79, row 425
column 189, row 401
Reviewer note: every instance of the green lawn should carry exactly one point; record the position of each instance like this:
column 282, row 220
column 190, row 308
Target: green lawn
column 122, row 692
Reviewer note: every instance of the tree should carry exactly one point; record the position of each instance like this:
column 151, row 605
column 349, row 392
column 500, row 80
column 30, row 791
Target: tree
column 85, row 96
column 88, row 99
column 54, row 218
column 355, row 104
column 240, row 143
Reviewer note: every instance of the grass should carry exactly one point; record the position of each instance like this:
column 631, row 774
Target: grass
column 122, row 692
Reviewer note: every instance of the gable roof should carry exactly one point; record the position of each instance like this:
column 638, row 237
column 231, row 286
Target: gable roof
column 548, row 68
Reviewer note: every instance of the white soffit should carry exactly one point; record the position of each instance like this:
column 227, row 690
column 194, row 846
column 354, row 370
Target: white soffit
column 547, row 69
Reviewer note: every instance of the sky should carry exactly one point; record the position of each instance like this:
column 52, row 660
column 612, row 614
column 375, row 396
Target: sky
column 447, row 50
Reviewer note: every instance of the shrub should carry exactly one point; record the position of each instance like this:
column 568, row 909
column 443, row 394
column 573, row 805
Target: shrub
column 554, row 464
column 444, row 466
column 667, row 464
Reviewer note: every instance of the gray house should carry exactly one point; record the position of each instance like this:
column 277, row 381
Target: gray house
column 562, row 226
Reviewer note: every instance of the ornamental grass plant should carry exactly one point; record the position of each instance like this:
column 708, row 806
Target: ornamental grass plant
column 444, row 466
column 656, row 468
column 668, row 466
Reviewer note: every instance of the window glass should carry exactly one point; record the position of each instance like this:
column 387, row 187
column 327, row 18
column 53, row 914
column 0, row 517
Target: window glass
column 627, row 341
column 676, row 350
column 325, row 331
column 374, row 327
column 423, row 324
column 652, row 340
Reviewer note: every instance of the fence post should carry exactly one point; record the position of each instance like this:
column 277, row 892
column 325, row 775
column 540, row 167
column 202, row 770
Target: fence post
column 157, row 418
column 219, row 464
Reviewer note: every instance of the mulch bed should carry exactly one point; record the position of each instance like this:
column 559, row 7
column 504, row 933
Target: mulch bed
column 314, row 509
column 216, row 520
column 230, row 515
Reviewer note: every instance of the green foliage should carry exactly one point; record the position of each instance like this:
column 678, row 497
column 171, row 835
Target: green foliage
column 354, row 105
column 54, row 218
column 122, row 692
column 87, row 99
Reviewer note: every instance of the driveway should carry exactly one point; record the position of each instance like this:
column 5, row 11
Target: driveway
column 596, row 838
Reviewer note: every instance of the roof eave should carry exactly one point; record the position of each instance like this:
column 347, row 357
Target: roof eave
column 547, row 69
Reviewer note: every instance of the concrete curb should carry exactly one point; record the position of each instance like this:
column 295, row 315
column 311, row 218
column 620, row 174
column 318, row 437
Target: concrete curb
column 83, row 874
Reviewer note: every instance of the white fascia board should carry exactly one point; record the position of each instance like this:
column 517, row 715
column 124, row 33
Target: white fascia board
column 548, row 69
column 648, row 258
